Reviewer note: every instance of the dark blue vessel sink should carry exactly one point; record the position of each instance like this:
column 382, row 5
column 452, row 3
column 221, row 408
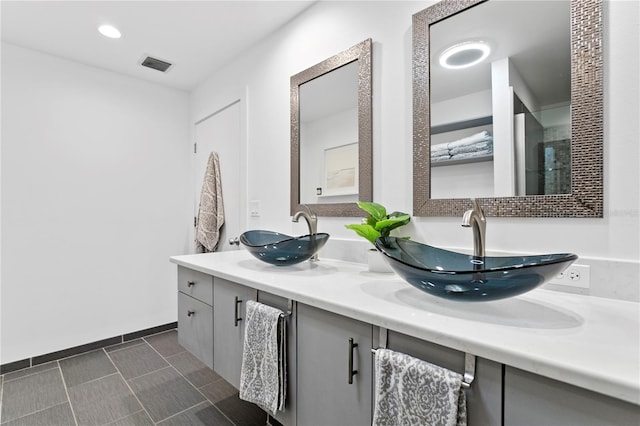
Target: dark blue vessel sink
column 280, row 249
column 463, row 277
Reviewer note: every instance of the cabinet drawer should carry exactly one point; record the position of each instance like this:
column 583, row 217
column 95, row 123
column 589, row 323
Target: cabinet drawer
column 196, row 284
column 195, row 328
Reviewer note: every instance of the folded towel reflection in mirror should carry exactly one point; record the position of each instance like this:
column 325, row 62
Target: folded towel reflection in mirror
column 476, row 145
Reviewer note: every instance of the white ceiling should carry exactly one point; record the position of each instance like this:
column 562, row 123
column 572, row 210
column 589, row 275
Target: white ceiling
column 197, row 37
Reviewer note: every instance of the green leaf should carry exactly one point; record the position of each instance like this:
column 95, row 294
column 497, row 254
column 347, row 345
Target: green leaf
column 378, row 224
column 365, row 231
column 387, row 225
column 376, row 211
column 370, row 221
column 399, row 214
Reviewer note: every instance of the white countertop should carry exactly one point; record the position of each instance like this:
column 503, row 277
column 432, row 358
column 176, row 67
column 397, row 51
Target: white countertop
column 586, row 341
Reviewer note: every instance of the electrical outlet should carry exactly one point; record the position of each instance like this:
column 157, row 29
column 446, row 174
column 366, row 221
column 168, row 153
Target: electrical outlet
column 574, row 276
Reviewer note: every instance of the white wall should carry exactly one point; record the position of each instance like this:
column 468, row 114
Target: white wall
column 322, row 31
column 329, row 27
column 95, row 198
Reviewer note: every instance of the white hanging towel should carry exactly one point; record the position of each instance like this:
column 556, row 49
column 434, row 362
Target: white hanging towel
column 263, row 372
column 410, row 391
column 211, row 210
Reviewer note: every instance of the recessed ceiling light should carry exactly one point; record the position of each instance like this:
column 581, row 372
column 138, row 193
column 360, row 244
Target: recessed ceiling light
column 109, row 31
column 465, row 54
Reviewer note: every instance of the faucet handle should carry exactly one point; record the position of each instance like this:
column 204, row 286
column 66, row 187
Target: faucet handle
column 311, row 213
column 477, row 207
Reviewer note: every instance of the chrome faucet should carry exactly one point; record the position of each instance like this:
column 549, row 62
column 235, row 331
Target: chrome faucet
column 312, row 223
column 476, row 220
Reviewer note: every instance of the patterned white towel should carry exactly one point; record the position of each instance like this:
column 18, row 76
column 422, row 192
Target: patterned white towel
column 263, row 374
column 409, row 391
column 211, row 211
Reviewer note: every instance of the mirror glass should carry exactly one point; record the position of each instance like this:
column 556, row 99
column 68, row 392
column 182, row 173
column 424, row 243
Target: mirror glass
column 502, row 127
column 329, row 137
column 331, row 134
column 501, row 106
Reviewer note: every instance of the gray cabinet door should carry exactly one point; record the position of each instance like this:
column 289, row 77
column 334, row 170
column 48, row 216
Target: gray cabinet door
column 484, row 398
column 195, row 328
column 530, row 399
column 324, row 396
column 229, row 306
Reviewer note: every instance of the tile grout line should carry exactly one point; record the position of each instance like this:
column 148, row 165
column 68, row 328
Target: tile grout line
column 64, row 385
column 97, row 379
column 31, row 374
column 121, row 349
column 185, row 410
column 66, row 391
column 38, row 411
column 129, row 387
column 149, row 373
column 187, row 380
column 129, row 415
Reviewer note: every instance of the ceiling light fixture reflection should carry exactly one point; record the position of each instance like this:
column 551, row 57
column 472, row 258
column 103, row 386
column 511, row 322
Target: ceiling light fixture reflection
column 109, row 31
column 465, row 54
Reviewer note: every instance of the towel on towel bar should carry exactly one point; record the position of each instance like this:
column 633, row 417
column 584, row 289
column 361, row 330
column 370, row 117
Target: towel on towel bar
column 263, row 373
column 409, row 391
column 211, row 211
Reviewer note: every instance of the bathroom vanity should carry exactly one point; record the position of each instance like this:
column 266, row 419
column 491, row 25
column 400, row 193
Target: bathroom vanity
column 541, row 358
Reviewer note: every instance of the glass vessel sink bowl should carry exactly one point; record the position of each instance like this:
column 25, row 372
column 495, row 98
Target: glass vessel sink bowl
column 280, row 249
column 462, row 277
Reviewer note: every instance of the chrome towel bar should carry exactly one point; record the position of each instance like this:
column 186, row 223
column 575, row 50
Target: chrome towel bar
column 289, row 311
column 469, row 360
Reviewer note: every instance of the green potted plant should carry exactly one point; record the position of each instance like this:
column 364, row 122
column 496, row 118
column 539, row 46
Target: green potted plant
column 377, row 224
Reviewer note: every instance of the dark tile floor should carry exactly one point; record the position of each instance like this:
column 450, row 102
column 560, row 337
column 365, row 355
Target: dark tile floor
column 148, row 381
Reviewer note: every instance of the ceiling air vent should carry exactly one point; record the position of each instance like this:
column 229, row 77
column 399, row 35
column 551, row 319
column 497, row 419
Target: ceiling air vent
column 155, row 64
